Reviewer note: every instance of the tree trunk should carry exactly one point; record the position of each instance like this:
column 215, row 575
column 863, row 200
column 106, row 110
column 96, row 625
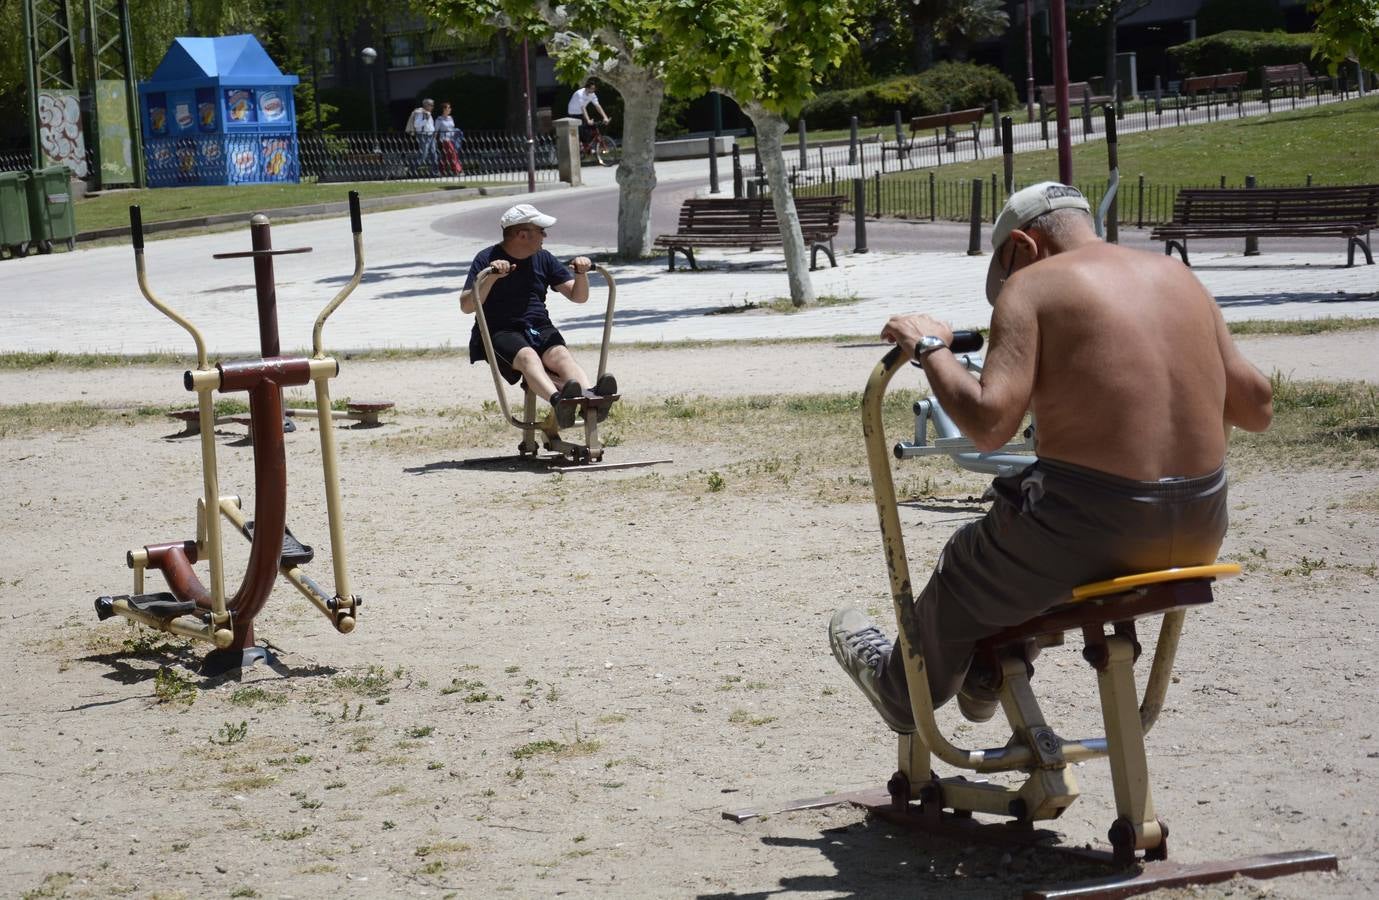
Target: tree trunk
column 516, row 116
column 921, row 38
column 642, row 93
column 770, row 128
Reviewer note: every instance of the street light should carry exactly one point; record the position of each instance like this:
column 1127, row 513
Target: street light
column 368, row 55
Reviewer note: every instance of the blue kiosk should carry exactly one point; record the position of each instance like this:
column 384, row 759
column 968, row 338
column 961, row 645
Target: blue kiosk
column 218, row 111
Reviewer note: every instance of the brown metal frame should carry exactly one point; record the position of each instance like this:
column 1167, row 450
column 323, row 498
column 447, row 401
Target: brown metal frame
column 918, row 797
column 228, row 623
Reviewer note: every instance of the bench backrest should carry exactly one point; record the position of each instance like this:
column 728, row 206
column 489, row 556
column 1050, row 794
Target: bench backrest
column 1288, row 72
column 1199, row 83
column 1351, row 204
column 947, row 120
column 707, row 215
column 1230, row 79
column 1076, row 89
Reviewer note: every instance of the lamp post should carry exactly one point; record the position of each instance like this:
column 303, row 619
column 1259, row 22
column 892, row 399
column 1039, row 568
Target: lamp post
column 368, row 55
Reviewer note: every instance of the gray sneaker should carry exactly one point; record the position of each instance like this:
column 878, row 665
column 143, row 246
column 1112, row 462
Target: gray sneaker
column 565, row 407
column 977, row 704
column 861, row 649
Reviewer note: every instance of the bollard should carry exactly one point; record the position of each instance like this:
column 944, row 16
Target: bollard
column 804, row 148
column 877, row 178
column 713, row 166
column 1113, row 164
column 1139, row 214
column 1252, row 242
column 1158, row 96
column 1178, row 107
column 859, row 214
column 832, row 179
column 995, row 123
column 995, row 211
column 933, row 212
column 1223, row 182
column 821, row 160
column 974, row 237
column 1086, row 113
column 1008, row 151
column 1309, row 179
column 852, row 141
column 737, row 172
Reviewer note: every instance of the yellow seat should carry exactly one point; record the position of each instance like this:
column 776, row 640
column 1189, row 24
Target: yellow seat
column 1129, row 582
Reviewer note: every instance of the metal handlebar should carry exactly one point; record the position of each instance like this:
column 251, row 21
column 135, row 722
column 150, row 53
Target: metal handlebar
column 357, row 227
column 136, row 230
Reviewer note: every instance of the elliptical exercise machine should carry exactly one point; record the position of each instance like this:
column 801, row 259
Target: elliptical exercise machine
column 203, row 612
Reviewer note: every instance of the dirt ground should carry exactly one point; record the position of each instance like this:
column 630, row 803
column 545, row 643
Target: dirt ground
column 558, row 683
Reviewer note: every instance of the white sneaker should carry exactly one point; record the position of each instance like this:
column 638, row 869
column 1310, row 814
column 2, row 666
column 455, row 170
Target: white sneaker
column 861, row 649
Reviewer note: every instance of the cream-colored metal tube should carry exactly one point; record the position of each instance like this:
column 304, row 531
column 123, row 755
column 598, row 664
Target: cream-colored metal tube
column 339, row 298
column 607, row 319
column 221, row 637
column 169, row 311
column 1156, row 688
column 335, row 514
column 883, row 487
column 211, row 484
column 481, row 289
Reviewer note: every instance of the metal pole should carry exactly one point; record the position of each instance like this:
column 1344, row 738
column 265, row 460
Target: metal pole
column 1251, row 242
column 737, row 172
column 717, row 113
column 974, row 236
column 1113, row 163
column 859, row 214
column 1029, row 60
column 852, row 142
column 1139, row 217
column 1058, row 25
column 713, row 165
column 31, row 78
column 92, row 125
column 804, row 148
column 527, row 116
column 1008, row 151
column 933, row 192
column 131, row 87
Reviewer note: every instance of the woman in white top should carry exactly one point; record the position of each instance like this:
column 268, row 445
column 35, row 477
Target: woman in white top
column 449, row 138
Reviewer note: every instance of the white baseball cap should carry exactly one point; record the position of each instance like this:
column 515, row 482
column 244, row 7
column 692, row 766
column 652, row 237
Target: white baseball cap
column 525, row 214
column 1023, row 207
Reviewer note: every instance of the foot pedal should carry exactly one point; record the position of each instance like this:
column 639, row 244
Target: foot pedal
column 294, row 552
column 162, row 604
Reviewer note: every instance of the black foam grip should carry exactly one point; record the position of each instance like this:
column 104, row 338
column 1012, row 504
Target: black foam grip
column 136, row 227
column 1110, row 112
column 356, row 224
column 966, row 341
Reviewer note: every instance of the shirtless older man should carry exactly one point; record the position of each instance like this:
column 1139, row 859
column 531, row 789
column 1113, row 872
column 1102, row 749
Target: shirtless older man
column 1135, row 383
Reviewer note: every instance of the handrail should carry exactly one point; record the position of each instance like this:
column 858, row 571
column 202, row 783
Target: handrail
column 357, row 227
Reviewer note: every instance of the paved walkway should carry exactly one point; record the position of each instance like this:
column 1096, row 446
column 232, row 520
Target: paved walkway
column 89, row 301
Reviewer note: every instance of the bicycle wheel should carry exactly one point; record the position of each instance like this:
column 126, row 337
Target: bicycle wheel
column 605, row 151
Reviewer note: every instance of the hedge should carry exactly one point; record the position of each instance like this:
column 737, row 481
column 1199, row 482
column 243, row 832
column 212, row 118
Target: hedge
column 955, row 85
column 1235, row 51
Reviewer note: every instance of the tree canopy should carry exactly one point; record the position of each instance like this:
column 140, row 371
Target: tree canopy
column 1348, row 29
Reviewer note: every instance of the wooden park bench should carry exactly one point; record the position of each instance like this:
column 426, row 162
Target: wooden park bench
column 1079, row 93
column 1294, row 79
column 1231, row 84
column 1349, row 212
column 751, row 223
column 943, row 126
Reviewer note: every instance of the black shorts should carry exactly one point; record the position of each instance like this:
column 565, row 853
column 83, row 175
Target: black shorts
column 507, row 344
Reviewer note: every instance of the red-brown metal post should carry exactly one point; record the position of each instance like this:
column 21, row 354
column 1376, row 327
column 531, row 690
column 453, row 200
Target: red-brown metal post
column 1058, row 27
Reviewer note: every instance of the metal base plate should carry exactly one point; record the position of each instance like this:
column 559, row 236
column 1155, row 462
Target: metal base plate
column 556, row 463
column 1140, row 878
column 218, row 662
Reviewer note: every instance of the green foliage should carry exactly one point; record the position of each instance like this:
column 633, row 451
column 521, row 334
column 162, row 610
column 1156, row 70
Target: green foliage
column 1235, row 51
column 1347, row 29
column 956, row 85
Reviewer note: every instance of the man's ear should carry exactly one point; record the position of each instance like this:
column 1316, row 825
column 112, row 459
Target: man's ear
column 1026, row 245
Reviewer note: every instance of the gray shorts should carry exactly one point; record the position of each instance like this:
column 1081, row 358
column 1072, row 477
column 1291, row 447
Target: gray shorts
column 1052, row 527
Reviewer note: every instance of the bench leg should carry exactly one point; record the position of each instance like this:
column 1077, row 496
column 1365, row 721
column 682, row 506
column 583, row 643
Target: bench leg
column 1363, row 244
column 1182, row 250
column 828, row 251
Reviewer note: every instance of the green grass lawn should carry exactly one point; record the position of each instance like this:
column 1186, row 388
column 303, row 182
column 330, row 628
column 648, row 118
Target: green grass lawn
column 1335, row 144
column 111, row 210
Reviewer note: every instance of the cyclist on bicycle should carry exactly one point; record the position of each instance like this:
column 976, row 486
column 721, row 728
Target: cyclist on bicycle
column 579, row 104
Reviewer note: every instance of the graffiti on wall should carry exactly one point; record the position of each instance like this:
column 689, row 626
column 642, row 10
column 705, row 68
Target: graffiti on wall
column 59, row 130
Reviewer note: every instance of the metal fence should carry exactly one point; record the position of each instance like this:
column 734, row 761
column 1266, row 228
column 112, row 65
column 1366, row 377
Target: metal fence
column 474, row 156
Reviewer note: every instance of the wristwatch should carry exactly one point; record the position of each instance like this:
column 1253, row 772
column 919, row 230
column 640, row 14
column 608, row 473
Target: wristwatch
column 926, row 345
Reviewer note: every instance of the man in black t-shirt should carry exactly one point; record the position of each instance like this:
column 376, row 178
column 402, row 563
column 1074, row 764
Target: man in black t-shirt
column 525, row 343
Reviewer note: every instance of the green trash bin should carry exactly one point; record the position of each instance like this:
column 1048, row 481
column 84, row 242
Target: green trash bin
column 52, row 215
column 14, row 214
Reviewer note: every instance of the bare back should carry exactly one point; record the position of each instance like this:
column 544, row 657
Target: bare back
column 1131, row 378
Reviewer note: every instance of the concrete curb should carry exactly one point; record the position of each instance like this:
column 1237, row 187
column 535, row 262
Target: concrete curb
column 288, row 213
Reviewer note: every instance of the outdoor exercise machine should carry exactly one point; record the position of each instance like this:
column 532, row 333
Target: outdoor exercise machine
column 190, row 608
column 567, row 455
column 916, row 796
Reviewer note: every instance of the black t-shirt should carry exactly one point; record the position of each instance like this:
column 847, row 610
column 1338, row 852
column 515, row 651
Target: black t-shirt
column 518, row 299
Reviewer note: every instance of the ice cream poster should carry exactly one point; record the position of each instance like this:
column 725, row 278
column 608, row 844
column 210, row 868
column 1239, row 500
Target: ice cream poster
column 157, row 114
column 240, row 106
column 182, row 115
column 244, row 162
column 275, row 157
column 271, row 106
column 205, row 109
